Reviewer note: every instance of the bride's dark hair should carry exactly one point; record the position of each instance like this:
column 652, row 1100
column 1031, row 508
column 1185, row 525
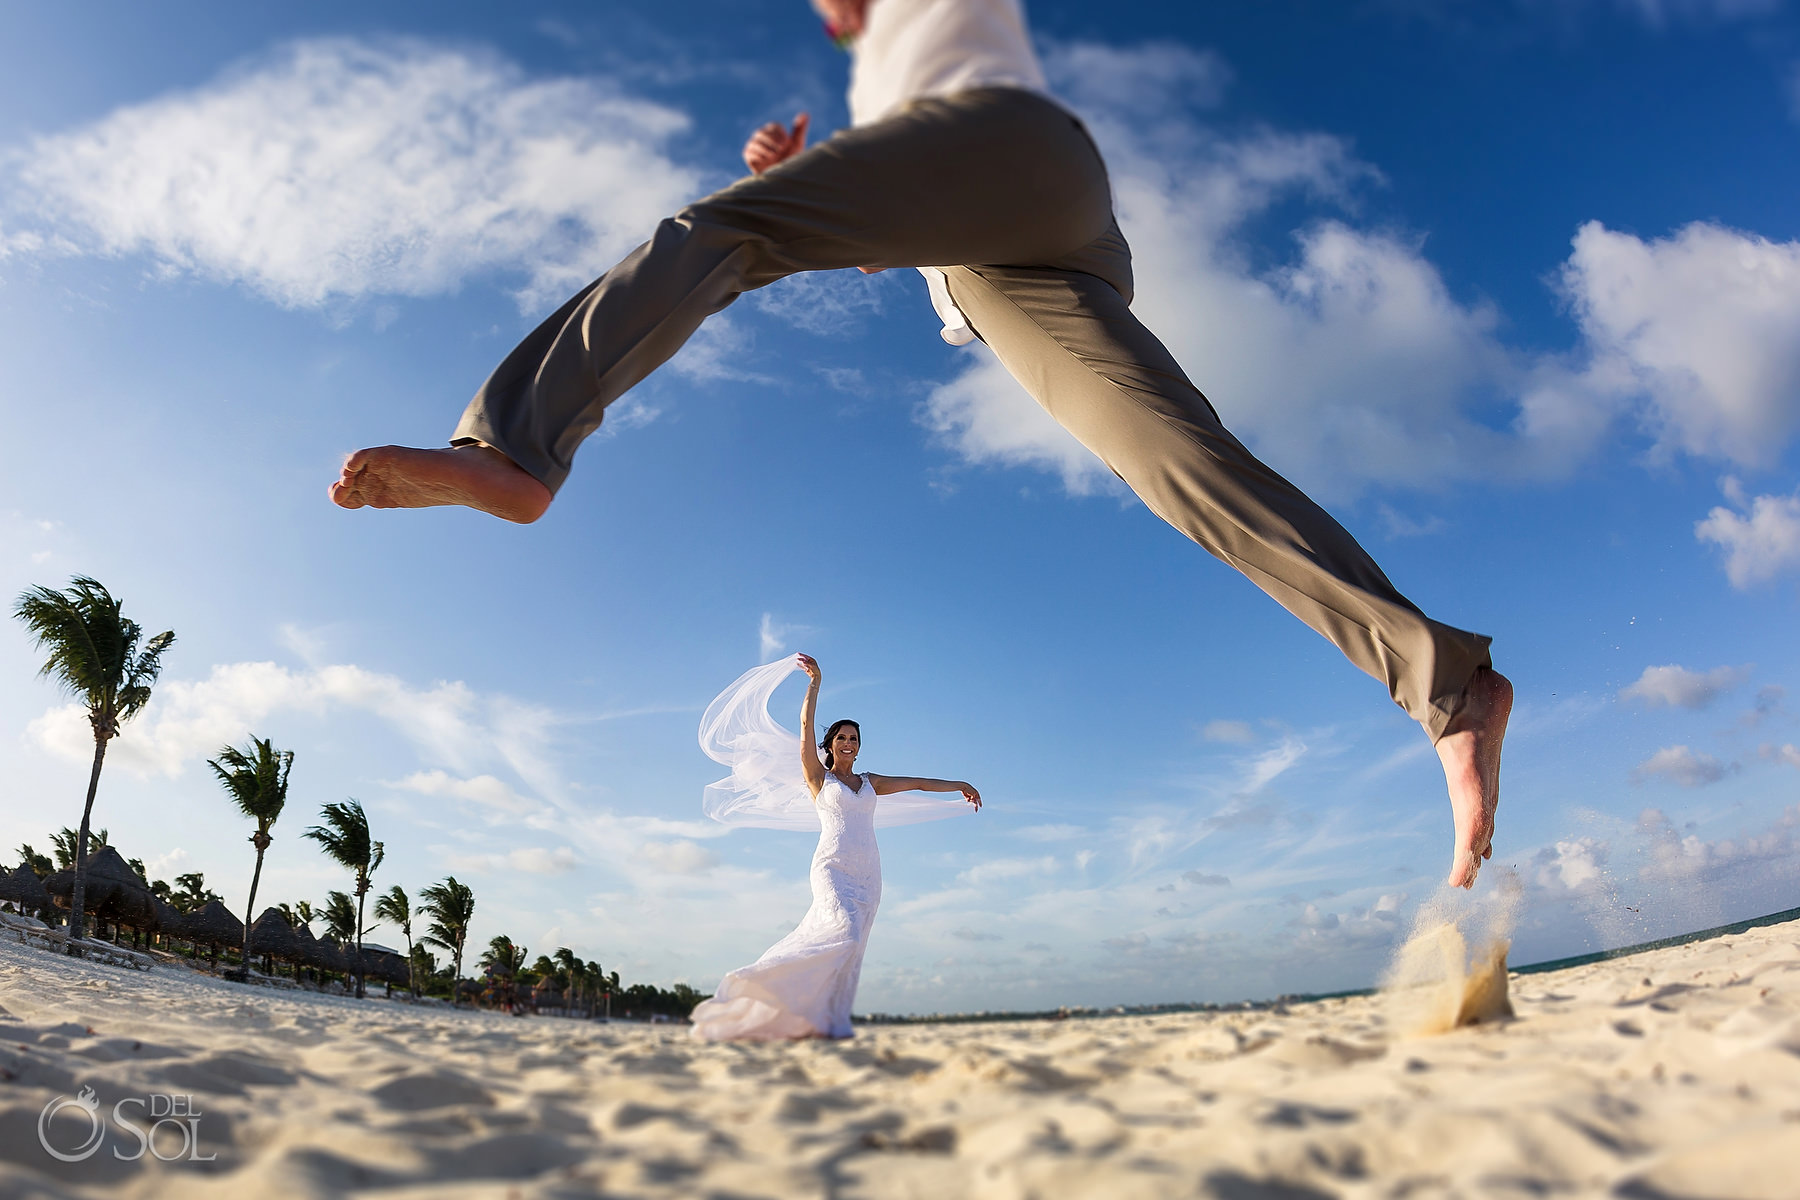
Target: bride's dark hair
column 832, row 733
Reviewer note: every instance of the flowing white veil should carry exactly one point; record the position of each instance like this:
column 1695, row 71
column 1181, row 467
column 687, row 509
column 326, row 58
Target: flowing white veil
column 766, row 788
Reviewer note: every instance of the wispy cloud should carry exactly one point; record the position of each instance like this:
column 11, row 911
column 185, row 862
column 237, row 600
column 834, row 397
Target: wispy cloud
column 529, row 860
column 190, row 719
column 777, row 637
column 338, row 168
column 825, row 303
column 1233, row 732
column 483, row 790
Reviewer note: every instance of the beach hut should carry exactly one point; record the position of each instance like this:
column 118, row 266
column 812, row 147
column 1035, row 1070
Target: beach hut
column 380, row 962
column 213, row 926
column 115, row 893
column 25, row 889
column 306, row 949
column 171, row 922
column 273, row 938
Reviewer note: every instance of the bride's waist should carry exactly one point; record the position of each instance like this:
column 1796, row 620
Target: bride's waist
column 857, row 858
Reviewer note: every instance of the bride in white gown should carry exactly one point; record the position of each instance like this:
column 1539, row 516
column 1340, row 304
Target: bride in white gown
column 804, row 985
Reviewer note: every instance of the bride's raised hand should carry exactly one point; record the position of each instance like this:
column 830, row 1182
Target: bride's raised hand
column 810, row 665
column 970, row 794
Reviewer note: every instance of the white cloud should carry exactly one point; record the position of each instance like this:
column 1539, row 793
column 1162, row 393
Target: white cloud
column 1154, row 75
column 679, row 857
column 988, row 419
column 1006, row 868
column 190, row 720
column 530, row 860
column 1679, row 764
column 776, row 637
column 1052, row 833
column 1789, row 754
column 485, row 790
column 1701, row 330
column 339, row 168
column 1399, row 525
column 1673, row 856
column 1678, row 687
column 1202, row 879
column 1271, row 763
column 826, row 303
column 1758, row 545
column 1571, row 864
column 1236, row 732
column 1313, row 917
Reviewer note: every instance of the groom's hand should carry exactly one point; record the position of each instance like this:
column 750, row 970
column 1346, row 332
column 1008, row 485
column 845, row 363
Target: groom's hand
column 775, row 143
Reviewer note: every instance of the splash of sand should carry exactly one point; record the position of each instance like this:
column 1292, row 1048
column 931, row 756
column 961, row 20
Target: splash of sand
column 1451, row 971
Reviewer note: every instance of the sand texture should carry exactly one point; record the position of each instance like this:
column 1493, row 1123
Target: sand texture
column 1674, row 1073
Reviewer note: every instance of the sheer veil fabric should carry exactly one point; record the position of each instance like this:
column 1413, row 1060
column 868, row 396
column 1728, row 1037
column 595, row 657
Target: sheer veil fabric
column 804, row 985
column 766, row 789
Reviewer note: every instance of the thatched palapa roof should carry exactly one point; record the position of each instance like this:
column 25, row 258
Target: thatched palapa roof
column 272, row 935
column 213, row 925
column 24, row 888
column 306, row 946
column 114, row 891
column 334, row 957
column 170, row 921
column 379, row 962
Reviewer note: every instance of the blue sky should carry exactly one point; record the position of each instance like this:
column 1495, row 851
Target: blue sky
column 1513, row 287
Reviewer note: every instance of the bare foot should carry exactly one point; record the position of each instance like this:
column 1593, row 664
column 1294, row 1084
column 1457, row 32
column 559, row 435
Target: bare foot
column 1470, row 754
column 473, row 476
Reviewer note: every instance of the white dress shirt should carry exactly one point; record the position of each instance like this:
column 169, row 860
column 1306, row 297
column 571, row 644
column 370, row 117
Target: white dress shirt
column 910, row 49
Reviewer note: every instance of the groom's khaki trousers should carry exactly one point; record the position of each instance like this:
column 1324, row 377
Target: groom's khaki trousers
column 1006, row 192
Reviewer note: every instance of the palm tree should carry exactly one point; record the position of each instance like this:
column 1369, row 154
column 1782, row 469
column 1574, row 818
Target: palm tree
column 340, row 917
column 40, row 864
column 505, row 957
column 297, row 915
column 345, row 838
column 423, row 963
column 257, row 783
column 194, row 894
column 574, row 974
column 451, row 906
column 62, row 844
column 93, row 653
column 394, row 907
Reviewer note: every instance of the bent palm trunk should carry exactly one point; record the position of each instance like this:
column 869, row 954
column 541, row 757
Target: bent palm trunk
column 261, row 841
column 79, row 897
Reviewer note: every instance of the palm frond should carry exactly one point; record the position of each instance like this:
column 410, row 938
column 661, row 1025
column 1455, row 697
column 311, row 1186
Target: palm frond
column 344, row 836
column 91, row 649
column 394, row 907
column 256, row 781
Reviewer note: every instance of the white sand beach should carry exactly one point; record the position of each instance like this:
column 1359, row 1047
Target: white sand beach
column 1674, row 1073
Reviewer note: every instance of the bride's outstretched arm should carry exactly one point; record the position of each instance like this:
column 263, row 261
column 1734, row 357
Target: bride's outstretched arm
column 884, row 784
column 810, row 765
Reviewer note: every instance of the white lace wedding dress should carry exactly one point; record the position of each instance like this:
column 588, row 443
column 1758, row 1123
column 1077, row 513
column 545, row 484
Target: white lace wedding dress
column 804, row 984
